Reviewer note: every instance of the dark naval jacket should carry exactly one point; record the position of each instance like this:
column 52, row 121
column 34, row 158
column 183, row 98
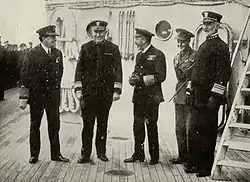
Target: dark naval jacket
column 183, row 65
column 212, row 69
column 99, row 70
column 41, row 74
column 151, row 68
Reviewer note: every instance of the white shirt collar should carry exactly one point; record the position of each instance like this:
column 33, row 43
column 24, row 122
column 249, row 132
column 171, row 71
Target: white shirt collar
column 45, row 48
column 215, row 34
column 145, row 50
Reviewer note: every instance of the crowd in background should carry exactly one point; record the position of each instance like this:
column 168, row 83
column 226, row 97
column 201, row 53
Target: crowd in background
column 12, row 57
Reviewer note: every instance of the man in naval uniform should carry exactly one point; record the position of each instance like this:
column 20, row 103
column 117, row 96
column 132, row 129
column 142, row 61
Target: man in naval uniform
column 209, row 79
column 41, row 76
column 148, row 75
column 98, row 82
column 183, row 63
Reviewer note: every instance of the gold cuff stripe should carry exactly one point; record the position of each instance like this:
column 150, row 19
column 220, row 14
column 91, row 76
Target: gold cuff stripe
column 118, row 85
column 149, row 80
column 219, row 89
column 189, row 85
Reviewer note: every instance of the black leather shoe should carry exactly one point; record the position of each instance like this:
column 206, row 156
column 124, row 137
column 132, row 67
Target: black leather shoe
column 60, row 159
column 191, row 170
column 83, row 159
column 134, row 159
column 103, row 158
column 153, row 162
column 203, row 173
column 33, row 160
column 177, row 160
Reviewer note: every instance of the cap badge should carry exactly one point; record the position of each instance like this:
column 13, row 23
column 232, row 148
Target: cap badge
column 206, row 14
column 97, row 23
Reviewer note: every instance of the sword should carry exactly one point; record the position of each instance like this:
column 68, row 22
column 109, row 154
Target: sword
column 178, row 90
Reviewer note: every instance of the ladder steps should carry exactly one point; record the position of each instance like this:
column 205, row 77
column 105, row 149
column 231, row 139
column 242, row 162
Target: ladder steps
column 232, row 163
column 245, row 90
column 227, row 138
column 237, row 145
column 244, row 107
column 239, row 125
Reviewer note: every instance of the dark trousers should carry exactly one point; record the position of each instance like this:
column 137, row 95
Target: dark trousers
column 146, row 114
column 37, row 107
column 95, row 108
column 1, row 91
column 202, row 134
column 182, row 117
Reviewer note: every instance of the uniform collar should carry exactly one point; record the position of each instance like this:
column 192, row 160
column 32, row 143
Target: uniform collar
column 45, row 48
column 100, row 43
column 146, row 49
column 215, row 35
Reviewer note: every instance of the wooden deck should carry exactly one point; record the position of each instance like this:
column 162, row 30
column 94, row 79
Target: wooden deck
column 14, row 153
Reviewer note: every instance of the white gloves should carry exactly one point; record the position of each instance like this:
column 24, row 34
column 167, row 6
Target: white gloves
column 116, row 96
column 23, row 103
column 79, row 95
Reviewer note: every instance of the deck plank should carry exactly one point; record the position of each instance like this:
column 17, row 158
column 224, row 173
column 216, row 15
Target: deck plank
column 14, row 164
column 71, row 167
column 93, row 165
column 21, row 165
column 174, row 168
column 238, row 172
column 44, row 174
column 115, row 159
column 71, row 155
column 167, row 167
column 187, row 177
column 122, row 165
column 137, row 167
column 108, row 165
column 52, row 175
column 145, row 165
column 100, row 170
column 128, row 154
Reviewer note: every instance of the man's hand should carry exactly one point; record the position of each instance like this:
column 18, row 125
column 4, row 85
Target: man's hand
column 134, row 79
column 79, row 95
column 23, row 103
column 189, row 96
column 189, row 100
column 116, row 96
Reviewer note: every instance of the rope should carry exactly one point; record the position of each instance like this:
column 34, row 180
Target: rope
column 112, row 4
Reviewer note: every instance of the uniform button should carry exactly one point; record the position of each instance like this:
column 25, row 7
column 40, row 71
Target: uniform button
column 141, row 66
column 47, row 80
column 140, row 74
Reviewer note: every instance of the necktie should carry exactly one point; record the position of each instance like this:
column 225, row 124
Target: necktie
column 49, row 52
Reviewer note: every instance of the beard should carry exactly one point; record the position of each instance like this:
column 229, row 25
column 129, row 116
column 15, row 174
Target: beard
column 139, row 47
column 182, row 48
